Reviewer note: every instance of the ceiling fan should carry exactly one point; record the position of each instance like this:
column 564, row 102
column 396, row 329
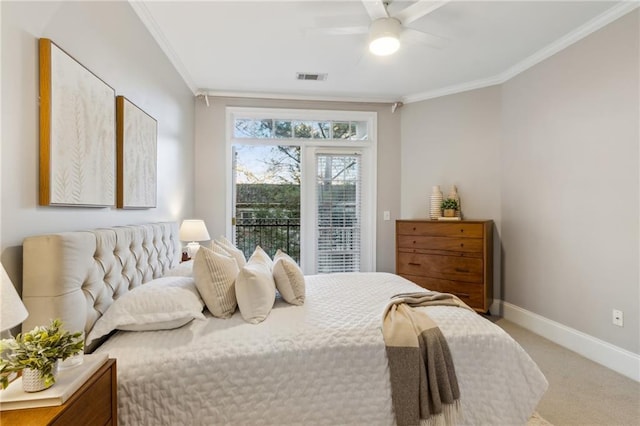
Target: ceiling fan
column 387, row 30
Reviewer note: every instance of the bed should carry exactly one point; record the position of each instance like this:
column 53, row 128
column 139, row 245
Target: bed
column 323, row 362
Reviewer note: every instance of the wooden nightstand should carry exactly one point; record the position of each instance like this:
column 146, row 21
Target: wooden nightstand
column 95, row 403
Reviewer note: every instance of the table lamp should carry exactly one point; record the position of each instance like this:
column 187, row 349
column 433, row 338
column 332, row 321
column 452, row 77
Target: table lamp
column 12, row 310
column 193, row 230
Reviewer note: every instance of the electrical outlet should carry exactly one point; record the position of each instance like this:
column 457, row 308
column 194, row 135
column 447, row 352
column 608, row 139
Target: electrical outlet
column 618, row 318
column 386, row 215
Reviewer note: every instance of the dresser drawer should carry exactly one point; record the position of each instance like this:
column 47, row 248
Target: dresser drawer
column 470, row 293
column 439, row 229
column 444, row 267
column 448, row 256
column 462, row 245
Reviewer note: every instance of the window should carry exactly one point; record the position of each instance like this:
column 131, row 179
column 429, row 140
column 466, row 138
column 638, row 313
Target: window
column 247, row 128
column 267, row 198
column 304, row 181
column 338, row 213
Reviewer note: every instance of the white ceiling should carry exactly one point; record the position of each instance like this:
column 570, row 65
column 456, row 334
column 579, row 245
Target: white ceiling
column 247, row 48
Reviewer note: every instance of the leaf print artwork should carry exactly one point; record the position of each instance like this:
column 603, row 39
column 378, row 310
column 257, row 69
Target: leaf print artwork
column 137, row 144
column 81, row 135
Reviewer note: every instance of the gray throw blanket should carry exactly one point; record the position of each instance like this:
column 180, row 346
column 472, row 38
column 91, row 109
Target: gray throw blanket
column 423, row 379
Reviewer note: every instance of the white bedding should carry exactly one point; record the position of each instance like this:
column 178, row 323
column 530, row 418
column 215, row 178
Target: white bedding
column 320, row 363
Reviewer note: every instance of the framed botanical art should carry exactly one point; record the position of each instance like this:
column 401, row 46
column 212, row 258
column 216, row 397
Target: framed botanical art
column 77, row 132
column 137, row 135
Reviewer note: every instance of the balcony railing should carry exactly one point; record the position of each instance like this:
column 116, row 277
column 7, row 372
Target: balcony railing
column 271, row 234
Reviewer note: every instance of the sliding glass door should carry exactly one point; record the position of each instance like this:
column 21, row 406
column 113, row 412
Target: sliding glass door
column 267, row 198
column 304, row 182
column 338, row 213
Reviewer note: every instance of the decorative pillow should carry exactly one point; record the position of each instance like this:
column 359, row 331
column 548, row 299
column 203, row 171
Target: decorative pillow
column 259, row 255
column 161, row 304
column 289, row 278
column 280, row 254
column 217, row 248
column 236, row 253
column 184, row 269
column 215, row 275
column 255, row 291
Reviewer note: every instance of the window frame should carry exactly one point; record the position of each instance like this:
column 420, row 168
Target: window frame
column 367, row 148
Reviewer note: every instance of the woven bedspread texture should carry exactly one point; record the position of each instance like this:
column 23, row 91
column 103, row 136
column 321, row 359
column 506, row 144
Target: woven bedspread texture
column 322, row 363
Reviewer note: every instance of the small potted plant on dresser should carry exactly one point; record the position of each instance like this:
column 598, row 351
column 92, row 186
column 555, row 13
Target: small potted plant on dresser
column 36, row 354
column 449, row 207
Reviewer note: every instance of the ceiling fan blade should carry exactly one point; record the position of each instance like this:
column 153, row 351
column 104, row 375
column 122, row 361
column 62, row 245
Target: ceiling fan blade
column 375, row 9
column 418, row 37
column 418, row 10
column 337, row 31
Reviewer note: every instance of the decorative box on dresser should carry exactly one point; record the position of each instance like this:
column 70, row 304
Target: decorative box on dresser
column 448, row 256
column 95, row 403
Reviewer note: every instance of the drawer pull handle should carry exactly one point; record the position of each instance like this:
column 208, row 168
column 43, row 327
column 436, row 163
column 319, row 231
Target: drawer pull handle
column 461, row 230
column 414, row 242
column 461, row 270
column 414, row 264
column 461, row 244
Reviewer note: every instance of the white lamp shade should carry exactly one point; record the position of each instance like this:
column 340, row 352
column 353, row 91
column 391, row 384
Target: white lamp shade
column 12, row 310
column 194, row 230
column 384, row 36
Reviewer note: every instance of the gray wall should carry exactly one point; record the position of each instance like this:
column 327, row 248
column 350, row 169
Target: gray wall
column 108, row 39
column 211, row 164
column 552, row 156
column 570, row 185
column 454, row 140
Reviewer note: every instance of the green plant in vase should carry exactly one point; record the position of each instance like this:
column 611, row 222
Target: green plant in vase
column 39, row 350
column 449, row 207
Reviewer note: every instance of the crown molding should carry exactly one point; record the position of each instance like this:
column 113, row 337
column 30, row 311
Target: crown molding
column 295, row 97
column 562, row 43
column 152, row 26
column 574, row 36
column 451, row 90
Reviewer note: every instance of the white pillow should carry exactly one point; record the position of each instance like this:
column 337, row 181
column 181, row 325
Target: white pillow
column 161, row 304
column 289, row 278
column 184, row 269
column 215, row 275
column 233, row 251
column 217, row 248
column 280, row 254
column 255, row 291
column 259, row 255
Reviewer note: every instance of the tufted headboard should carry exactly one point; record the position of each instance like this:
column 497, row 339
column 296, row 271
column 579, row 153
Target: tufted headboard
column 75, row 276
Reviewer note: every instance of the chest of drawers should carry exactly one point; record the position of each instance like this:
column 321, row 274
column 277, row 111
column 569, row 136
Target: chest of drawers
column 451, row 257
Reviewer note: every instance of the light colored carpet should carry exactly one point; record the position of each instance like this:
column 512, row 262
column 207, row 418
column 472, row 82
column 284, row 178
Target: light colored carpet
column 581, row 392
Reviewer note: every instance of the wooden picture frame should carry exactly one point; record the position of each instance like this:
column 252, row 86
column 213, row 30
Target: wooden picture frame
column 77, row 132
column 137, row 140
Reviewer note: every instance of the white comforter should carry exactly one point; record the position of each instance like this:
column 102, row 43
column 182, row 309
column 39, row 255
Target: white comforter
column 320, row 363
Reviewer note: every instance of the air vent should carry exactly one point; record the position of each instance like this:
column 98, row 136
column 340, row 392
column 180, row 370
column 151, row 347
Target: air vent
column 310, row 76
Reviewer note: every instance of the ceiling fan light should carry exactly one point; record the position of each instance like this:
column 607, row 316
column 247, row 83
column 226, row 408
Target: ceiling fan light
column 383, row 46
column 384, row 36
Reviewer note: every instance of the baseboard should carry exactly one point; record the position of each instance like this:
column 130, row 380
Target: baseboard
column 617, row 359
